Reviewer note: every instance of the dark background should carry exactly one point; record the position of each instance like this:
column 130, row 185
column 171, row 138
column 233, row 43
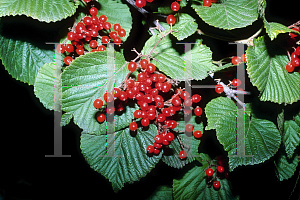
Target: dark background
column 27, row 136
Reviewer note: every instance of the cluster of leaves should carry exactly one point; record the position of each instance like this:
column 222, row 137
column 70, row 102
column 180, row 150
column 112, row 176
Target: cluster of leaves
column 86, row 79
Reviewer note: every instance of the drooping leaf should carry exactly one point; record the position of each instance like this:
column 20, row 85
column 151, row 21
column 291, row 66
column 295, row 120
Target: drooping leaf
column 195, row 63
column 267, row 71
column 129, row 162
column 273, row 29
column 42, row 10
column 285, row 167
column 85, row 80
column 47, row 86
column 291, row 135
column 185, row 27
column 23, row 59
column 228, row 14
column 162, row 193
column 193, row 185
column 117, row 12
column 247, row 139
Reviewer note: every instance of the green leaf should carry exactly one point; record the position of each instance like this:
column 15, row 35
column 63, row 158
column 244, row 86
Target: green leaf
column 85, row 80
column 117, row 13
column 174, row 65
column 285, row 167
column 280, row 122
column 256, row 141
column 42, row 10
column 23, row 59
column 229, row 14
column 47, row 86
column 129, row 162
column 193, row 185
column 291, row 135
column 273, row 29
column 65, row 119
column 162, row 192
column 185, row 27
column 267, row 71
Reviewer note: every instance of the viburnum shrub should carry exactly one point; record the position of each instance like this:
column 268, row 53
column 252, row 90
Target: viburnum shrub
column 147, row 99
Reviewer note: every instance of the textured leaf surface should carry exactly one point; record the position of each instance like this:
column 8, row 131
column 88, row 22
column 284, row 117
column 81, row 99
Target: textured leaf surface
column 130, row 161
column 229, row 14
column 185, row 27
column 193, row 185
column 117, row 13
column 162, row 193
column 42, row 10
column 23, row 59
column 193, row 64
column 291, row 135
column 84, row 81
column 267, row 71
column 273, row 29
column 44, row 86
column 258, row 138
column 286, row 167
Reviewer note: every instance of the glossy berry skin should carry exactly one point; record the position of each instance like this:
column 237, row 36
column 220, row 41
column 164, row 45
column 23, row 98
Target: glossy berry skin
column 189, row 128
column 68, row 60
column 150, row 68
column 122, row 32
column 235, row 60
column 93, row 11
column 209, row 172
column 236, row 82
column 182, row 154
column 220, row 169
column 105, row 39
column 207, row 3
column 197, row 134
column 219, row 88
column 117, row 27
column 101, row 118
column 170, row 136
column 98, row 103
column 140, row 3
column 71, row 36
column 290, row 67
column 175, row 6
column 132, row 66
column 145, row 122
column 196, row 98
column 171, row 20
column 158, row 139
column 93, row 44
column 176, row 101
column 133, row 126
column 150, row 149
column 216, row 185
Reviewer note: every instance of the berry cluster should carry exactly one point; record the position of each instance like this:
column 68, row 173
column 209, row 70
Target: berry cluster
column 294, row 63
column 149, row 89
column 89, row 30
column 218, row 173
column 235, row 60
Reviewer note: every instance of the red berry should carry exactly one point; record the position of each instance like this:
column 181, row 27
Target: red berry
column 117, row 92
column 172, row 124
column 93, row 44
column 101, row 48
column 236, row 82
column 209, row 172
column 132, row 66
column 297, row 51
column 140, row 3
column 219, row 88
column 235, row 60
column 137, row 114
column 189, row 128
column 93, row 11
column 176, row 101
column 171, row 20
column 216, row 185
column 166, row 86
column 197, row 134
column 161, row 118
column 117, row 40
column 175, row 6
column 101, row 118
column 150, row 149
column 295, row 62
column 123, row 96
column 108, row 97
column 220, row 169
column 105, row 39
column 102, row 18
column 145, row 121
column 133, row 126
column 71, row 36
column 122, row 32
column 141, row 77
column 244, row 58
column 151, row 115
column 113, row 35
column 170, row 136
column 207, row 3
column 150, row 68
column 144, row 63
column 60, row 48
column 160, row 104
column 87, row 20
column 289, row 67
column 106, row 25
column 161, row 78
column 184, row 94
column 68, row 60
column 156, row 151
column 188, row 102
column 165, row 142
column 98, row 103
column 293, row 35
column 196, row 98
column 182, row 154
column 198, row 111
column 80, row 51
column 117, row 27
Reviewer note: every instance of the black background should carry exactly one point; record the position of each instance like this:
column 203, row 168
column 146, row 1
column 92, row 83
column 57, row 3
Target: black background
column 27, row 136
